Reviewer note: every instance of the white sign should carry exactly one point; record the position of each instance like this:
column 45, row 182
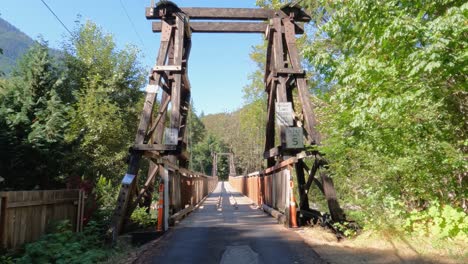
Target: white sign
column 284, row 114
column 171, row 136
column 128, row 179
column 294, row 138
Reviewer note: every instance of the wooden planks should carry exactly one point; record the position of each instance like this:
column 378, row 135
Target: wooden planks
column 24, row 215
column 229, row 13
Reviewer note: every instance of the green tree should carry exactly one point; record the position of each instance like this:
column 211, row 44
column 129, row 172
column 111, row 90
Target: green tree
column 33, row 121
column 396, row 111
column 108, row 102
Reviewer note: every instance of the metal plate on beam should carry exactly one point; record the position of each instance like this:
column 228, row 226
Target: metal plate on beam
column 294, row 138
column 171, row 136
column 128, row 179
column 167, row 68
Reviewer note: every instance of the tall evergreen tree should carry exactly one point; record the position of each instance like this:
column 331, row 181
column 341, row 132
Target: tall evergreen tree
column 35, row 122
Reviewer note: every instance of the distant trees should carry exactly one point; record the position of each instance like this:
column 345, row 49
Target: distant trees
column 202, row 143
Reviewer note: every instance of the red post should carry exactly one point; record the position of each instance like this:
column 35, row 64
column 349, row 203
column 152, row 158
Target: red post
column 292, row 205
column 160, row 226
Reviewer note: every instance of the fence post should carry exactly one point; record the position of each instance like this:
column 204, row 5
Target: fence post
column 3, row 206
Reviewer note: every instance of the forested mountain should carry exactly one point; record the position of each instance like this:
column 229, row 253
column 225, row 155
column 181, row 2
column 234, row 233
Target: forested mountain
column 14, row 44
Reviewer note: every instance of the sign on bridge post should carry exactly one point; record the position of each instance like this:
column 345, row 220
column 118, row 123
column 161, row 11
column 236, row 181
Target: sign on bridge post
column 294, row 138
column 284, row 114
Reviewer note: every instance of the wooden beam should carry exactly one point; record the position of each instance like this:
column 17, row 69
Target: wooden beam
column 272, row 153
column 336, row 212
column 162, row 112
column 229, row 13
column 227, row 27
column 280, row 166
column 303, row 197
column 270, row 125
column 130, row 180
column 153, row 147
column 221, row 27
column 151, row 175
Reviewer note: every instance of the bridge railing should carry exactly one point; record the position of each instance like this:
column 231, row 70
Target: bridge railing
column 271, row 187
column 189, row 188
column 185, row 189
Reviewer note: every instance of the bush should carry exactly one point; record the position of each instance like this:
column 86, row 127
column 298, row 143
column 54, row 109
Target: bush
column 65, row 246
column 143, row 218
column 438, row 221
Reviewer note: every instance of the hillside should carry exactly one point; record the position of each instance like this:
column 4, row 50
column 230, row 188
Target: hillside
column 243, row 135
column 14, row 44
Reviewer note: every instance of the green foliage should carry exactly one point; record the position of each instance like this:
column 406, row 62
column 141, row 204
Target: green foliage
column 346, row 229
column 202, row 159
column 395, row 116
column 391, row 80
column 104, row 117
column 439, row 221
column 34, row 118
column 65, row 246
column 6, row 260
column 76, row 118
column 105, row 193
column 143, row 218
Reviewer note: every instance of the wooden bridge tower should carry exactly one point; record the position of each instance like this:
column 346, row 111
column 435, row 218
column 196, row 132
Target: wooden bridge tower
column 164, row 143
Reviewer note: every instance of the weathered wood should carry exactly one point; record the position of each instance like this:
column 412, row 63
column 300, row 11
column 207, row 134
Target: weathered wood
column 280, row 166
column 303, row 197
column 269, row 65
column 3, row 220
column 159, row 132
column 309, row 116
column 228, row 27
column 228, row 13
column 274, row 152
column 153, row 147
column 162, row 110
column 151, row 175
column 39, row 203
column 312, row 173
column 121, row 211
column 270, row 126
column 221, row 27
column 336, row 212
column 177, row 83
column 24, row 215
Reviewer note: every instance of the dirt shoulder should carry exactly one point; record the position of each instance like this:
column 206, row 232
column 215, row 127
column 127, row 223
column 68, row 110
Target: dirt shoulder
column 370, row 249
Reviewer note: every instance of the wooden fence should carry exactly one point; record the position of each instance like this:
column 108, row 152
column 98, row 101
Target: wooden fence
column 25, row 215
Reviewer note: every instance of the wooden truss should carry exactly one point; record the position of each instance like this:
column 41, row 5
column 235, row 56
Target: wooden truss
column 165, row 144
column 154, row 139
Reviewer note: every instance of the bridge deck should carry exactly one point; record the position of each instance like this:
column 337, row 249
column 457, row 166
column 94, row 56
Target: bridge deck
column 226, row 234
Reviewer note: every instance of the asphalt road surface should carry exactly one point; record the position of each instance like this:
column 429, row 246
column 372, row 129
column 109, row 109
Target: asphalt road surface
column 226, row 229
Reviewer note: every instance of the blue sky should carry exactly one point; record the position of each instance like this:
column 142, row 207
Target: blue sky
column 219, row 64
